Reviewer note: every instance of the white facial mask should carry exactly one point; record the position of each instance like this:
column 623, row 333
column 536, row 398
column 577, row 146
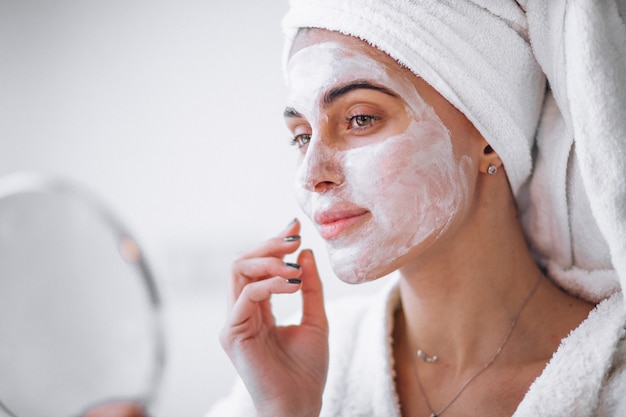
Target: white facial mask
column 410, row 183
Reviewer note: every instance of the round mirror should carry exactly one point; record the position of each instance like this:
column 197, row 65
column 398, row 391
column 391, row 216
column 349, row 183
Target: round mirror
column 79, row 309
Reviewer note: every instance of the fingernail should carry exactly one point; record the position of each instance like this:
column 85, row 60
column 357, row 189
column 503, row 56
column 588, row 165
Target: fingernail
column 293, row 281
column 292, row 265
column 295, row 219
column 293, row 238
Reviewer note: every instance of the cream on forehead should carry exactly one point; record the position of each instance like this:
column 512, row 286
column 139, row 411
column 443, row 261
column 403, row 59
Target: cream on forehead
column 315, row 69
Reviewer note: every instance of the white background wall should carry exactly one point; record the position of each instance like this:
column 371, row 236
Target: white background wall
column 171, row 111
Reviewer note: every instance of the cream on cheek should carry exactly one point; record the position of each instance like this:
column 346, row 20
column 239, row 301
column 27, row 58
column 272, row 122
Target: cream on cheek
column 413, row 187
column 410, row 183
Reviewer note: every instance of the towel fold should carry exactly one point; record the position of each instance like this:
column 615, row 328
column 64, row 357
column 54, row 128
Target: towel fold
column 576, row 214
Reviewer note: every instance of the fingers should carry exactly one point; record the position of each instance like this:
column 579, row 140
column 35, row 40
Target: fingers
column 306, row 278
column 256, row 269
column 292, row 229
column 265, row 261
column 285, row 242
column 313, row 312
column 259, row 292
column 261, row 272
column 247, row 271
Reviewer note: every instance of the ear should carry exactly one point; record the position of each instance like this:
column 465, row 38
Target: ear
column 489, row 158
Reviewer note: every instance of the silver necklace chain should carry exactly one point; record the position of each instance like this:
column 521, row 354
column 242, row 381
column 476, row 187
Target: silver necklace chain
column 482, row 369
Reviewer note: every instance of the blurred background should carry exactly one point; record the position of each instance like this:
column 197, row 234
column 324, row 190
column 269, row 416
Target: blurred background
column 170, row 112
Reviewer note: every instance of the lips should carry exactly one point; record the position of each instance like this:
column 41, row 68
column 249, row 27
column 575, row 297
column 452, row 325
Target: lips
column 336, row 220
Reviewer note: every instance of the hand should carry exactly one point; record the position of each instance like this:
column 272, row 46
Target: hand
column 117, row 409
column 284, row 368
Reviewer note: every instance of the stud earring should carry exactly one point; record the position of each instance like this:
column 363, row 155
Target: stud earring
column 492, row 169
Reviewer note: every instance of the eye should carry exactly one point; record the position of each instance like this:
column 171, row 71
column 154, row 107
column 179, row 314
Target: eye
column 361, row 121
column 301, row 140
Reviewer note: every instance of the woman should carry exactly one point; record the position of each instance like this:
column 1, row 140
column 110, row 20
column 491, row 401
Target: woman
column 414, row 124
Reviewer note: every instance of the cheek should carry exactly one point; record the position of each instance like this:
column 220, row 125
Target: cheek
column 417, row 166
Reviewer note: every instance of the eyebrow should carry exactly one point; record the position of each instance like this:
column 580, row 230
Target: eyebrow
column 336, row 93
column 291, row 112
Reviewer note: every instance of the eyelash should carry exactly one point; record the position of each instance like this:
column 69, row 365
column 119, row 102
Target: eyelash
column 297, row 140
column 353, row 124
column 303, row 139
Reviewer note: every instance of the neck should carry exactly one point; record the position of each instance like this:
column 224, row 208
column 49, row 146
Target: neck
column 461, row 302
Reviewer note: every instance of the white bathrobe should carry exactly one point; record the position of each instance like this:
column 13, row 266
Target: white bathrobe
column 585, row 377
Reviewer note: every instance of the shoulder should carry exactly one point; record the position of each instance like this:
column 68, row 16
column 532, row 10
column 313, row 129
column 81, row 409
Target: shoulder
column 587, row 374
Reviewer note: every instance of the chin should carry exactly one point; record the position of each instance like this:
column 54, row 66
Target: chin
column 373, row 260
column 352, row 273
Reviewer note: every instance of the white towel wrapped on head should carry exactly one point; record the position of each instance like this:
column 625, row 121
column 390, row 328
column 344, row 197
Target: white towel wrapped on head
column 576, row 219
column 478, row 55
column 479, row 60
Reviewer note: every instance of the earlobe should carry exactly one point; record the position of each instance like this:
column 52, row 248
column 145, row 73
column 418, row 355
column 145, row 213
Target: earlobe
column 489, row 161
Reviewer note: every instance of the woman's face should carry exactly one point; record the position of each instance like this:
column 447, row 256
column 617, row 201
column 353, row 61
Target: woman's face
column 380, row 174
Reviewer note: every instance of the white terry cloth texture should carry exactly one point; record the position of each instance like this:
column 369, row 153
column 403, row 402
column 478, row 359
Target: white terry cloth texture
column 563, row 147
column 576, row 219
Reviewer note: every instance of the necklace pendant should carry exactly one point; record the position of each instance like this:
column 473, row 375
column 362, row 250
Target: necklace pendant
column 433, row 415
column 427, row 359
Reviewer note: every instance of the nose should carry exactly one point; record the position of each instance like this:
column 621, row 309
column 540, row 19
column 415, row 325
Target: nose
column 321, row 169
